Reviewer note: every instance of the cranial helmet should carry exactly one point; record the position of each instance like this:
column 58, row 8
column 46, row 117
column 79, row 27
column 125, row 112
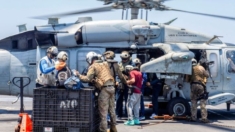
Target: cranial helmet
column 62, row 55
column 109, row 55
column 53, row 51
column 136, row 62
column 128, row 68
column 90, row 56
column 194, row 62
column 125, row 55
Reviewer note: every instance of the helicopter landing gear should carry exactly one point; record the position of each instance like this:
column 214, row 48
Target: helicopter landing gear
column 178, row 106
column 228, row 106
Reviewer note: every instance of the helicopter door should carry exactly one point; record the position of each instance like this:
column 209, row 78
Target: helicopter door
column 215, row 70
column 5, row 72
column 229, row 69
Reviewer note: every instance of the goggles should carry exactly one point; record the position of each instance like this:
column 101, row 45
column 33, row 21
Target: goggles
column 124, row 59
column 53, row 55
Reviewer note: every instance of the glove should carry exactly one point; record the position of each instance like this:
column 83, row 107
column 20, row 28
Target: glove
column 59, row 66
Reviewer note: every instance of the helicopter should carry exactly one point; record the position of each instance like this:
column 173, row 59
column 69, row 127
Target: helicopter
column 172, row 47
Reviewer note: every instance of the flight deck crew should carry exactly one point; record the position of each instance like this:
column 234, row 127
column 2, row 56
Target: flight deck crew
column 63, row 74
column 46, row 70
column 100, row 74
column 122, row 91
column 198, row 83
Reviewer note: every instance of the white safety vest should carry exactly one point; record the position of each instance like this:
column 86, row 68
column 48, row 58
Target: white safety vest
column 49, row 78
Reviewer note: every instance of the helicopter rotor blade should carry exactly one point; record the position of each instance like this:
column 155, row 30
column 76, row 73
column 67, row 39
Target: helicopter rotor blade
column 93, row 10
column 203, row 14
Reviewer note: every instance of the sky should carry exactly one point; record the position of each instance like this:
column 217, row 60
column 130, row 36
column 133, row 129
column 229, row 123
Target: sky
column 16, row 12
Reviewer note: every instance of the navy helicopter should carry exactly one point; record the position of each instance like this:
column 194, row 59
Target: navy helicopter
column 172, row 47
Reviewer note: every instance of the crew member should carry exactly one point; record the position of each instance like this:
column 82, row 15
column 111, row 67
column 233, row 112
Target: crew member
column 198, row 87
column 133, row 103
column 46, row 69
column 113, row 65
column 99, row 73
column 136, row 63
column 122, row 90
column 63, row 74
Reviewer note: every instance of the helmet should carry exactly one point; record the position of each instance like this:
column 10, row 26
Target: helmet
column 109, row 55
column 128, row 68
column 194, row 62
column 125, row 55
column 136, row 62
column 62, row 55
column 90, row 57
column 53, row 51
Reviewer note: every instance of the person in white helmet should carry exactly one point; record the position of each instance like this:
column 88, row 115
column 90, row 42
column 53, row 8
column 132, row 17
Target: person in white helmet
column 64, row 73
column 100, row 75
column 46, row 70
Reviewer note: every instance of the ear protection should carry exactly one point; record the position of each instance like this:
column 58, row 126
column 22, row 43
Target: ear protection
column 64, row 57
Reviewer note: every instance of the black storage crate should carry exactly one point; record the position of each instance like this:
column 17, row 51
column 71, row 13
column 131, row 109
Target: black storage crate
column 65, row 110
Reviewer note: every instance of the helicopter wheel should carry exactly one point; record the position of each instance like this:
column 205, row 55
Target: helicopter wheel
column 178, row 106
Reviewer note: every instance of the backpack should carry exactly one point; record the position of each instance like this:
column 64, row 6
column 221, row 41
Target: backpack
column 62, row 76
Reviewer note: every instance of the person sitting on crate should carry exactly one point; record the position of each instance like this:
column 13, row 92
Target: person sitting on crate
column 100, row 74
column 64, row 73
column 46, row 70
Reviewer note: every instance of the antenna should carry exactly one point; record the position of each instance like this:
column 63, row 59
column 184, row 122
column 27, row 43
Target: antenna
column 53, row 21
column 22, row 28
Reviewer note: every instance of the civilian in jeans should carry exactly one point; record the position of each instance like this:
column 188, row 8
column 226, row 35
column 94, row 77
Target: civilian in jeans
column 136, row 63
column 133, row 101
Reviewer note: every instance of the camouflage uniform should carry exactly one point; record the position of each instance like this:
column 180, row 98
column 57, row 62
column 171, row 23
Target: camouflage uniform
column 123, row 65
column 116, row 69
column 106, row 100
column 197, row 81
column 122, row 92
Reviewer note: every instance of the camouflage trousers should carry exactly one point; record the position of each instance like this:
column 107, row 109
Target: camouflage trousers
column 106, row 104
column 196, row 91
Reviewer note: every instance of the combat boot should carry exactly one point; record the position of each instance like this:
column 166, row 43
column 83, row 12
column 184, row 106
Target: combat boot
column 190, row 119
column 113, row 129
column 204, row 120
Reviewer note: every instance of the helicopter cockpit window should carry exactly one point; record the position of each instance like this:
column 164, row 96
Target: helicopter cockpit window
column 78, row 36
column 230, row 54
column 15, row 44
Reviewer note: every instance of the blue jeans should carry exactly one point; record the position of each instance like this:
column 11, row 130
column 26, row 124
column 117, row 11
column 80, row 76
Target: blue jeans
column 156, row 91
column 142, row 108
column 119, row 101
